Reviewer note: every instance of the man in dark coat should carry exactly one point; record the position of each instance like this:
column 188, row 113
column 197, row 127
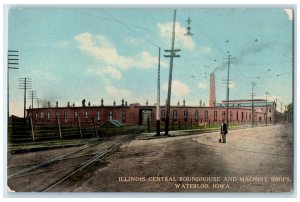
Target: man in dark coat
column 224, row 131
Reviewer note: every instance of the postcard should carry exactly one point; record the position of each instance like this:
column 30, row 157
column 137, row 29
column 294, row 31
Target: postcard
column 150, row 100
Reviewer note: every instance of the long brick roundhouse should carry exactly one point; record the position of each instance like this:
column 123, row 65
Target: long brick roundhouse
column 136, row 114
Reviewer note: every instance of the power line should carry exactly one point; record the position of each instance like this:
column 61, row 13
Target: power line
column 252, row 95
column 267, row 93
column 229, row 58
column 172, row 52
column 24, row 84
column 129, row 28
column 12, row 63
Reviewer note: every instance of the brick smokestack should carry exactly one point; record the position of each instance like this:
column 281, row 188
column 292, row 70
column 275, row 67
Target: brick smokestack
column 212, row 92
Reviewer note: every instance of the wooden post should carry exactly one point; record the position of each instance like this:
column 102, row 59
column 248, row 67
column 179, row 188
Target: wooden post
column 95, row 127
column 148, row 124
column 59, row 129
column 79, row 126
column 32, row 131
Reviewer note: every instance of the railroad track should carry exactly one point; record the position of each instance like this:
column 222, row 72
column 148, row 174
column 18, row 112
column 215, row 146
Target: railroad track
column 58, row 170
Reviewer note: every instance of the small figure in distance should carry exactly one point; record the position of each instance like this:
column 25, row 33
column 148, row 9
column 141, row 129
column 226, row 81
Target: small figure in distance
column 224, row 131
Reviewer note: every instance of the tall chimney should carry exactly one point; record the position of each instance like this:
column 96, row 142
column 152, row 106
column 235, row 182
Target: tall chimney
column 212, row 92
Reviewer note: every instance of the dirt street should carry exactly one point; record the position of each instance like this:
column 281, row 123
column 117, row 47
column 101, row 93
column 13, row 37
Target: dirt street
column 252, row 160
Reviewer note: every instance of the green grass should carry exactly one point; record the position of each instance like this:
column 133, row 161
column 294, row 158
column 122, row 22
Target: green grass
column 45, row 144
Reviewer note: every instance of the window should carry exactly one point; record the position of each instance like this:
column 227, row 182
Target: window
column 237, row 116
column 249, row 116
column 56, row 114
column 196, row 115
column 269, row 109
column 110, row 115
column 36, row 116
column 65, row 115
column 231, row 114
column 223, row 114
column 86, row 115
column 75, row 115
column 246, row 115
column 185, row 114
column 48, row 116
column 242, row 116
column 174, row 115
column 123, row 114
column 98, row 116
column 215, row 115
column 206, row 116
column 163, row 114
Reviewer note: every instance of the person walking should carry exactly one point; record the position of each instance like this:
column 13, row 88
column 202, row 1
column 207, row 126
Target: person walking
column 224, row 131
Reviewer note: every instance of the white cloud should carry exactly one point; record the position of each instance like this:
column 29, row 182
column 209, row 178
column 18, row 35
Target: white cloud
column 205, row 50
column 102, row 49
column 62, row 44
column 117, row 92
column 289, row 13
column 165, row 31
column 202, row 85
column 107, row 70
column 232, row 84
column 179, row 88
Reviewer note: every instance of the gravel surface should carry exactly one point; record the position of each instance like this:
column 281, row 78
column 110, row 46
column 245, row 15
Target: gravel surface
column 253, row 160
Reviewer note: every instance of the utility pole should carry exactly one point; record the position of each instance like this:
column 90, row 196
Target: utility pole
column 267, row 106
column 252, row 95
column 25, row 84
column 275, row 110
column 12, row 62
column 32, row 96
column 229, row 58
column 171, row 56
column 158, row 97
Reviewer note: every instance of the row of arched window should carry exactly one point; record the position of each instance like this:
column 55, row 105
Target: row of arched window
column 46, row 115
column 244, row 116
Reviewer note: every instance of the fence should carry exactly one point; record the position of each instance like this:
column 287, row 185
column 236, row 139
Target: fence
column 24, row 130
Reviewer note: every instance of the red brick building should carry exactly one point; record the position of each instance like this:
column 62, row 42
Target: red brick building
column 136, row 114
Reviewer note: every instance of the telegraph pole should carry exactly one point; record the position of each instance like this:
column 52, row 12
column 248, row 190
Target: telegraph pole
column 32, row 96
column 171, row 56
column 24, row 84
column 275, row 111
column 253, row 94
column 229, row 58
column 12, row 62
column 158, row 97
column 267, row 106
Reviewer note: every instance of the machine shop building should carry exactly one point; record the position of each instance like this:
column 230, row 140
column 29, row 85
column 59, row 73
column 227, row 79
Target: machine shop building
column 239, row 111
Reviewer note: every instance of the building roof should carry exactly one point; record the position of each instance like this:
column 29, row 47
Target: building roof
column 250, row 100
column 246, row 104
column 112, row 124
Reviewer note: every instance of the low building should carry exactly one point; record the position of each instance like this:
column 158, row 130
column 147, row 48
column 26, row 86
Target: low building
column 136, row 114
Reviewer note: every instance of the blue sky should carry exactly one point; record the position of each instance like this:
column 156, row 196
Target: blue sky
column 73, row 54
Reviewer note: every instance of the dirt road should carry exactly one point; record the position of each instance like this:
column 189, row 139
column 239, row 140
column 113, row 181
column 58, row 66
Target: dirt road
column 252, row 160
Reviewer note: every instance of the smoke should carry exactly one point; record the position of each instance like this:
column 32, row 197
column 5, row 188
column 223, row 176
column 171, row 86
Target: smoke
column 221, row 67
column 255, row 48
column 44, row 102
column 250, row 49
